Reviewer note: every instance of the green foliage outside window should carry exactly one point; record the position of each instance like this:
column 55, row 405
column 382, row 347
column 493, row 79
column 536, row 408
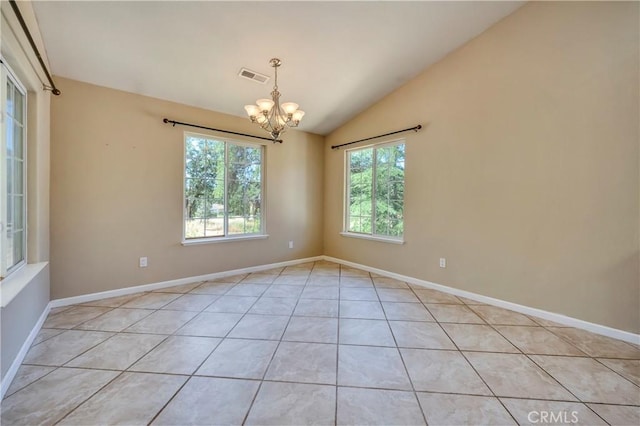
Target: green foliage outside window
column 376, row 190
column 223, row 188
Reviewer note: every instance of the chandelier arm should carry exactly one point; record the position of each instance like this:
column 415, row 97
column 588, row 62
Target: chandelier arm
column 275, row 120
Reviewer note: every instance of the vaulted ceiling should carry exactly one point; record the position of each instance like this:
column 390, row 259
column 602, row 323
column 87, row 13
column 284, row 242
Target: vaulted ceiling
column 338, row 57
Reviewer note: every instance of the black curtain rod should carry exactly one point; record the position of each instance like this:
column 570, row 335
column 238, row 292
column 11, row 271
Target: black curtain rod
column 53, row 87
column 173, row 122
column 416, row 128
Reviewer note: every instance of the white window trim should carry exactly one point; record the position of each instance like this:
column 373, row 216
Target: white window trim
column 379, row 238
column 347, row 184
column 7, row 73
column 216, row 240
column 263, row 178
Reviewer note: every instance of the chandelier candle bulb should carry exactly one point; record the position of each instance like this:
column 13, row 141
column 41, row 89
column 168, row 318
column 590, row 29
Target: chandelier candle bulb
column 272, row 116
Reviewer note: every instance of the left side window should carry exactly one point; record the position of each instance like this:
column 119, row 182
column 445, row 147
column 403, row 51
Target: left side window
column 13, row 199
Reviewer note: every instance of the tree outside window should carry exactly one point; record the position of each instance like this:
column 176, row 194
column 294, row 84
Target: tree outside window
column 223, row 188
column 375, row 190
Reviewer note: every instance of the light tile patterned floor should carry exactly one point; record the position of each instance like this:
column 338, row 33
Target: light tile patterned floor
column 317, row 344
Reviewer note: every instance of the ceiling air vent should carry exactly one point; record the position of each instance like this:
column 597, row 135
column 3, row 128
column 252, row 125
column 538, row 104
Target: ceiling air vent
column 253, row 76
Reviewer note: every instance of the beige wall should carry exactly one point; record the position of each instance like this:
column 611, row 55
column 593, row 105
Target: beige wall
column 525, row 176
column 18, row 318
column 116, row 193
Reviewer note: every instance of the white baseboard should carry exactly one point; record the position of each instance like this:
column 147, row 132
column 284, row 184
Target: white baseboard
column 11, row 373
column 559, row 318
column 171, row 283
column 539, row 313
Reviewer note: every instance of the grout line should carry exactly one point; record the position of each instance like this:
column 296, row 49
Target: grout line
column 273, row 355
column 169, row 400
column 308, row 283
column 335, row 418
column 578, row 400
column 62, row 330
column 465, row 357
column 7, row 395
column 404, row 364
column 90, row 396
column 618, row 373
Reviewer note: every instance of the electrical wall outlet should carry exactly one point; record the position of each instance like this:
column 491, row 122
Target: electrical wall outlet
column 290, row 244
column 143, row 262
column 443, row 262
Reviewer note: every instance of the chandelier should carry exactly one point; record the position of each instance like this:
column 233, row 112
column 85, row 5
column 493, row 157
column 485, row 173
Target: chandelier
column 270, row 114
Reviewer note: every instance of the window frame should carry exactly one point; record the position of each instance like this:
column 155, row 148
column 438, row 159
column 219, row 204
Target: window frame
column 262, row 234
column 347, row 194
column 7, row 74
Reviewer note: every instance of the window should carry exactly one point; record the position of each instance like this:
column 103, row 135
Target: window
column 13, row 200
column 223, row 190
column 375, row 191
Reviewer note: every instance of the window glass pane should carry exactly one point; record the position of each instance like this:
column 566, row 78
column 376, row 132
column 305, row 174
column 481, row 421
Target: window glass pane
column 214, row 160
column 204, row 158
column 14, row 174
column 10, row 177
column 195, row 198
column 10, row 109
column 389, row 190
column 194, row 228
column 194, row 208
column 10, row 213
column 396, row 227
column 18, row 215
column 18, row 143
column 19, row 106
column 10, row 254
column 237, row 154
column 18, row 252
column 193, row 155
column 253, row 172
column 254, row 224
column 237, row 225
column 384, row 192
column 18, row 177
column 354, row 224
column 236, row 194
column 214, row 207
column 366, row 224
column 360, row 179
column 214, row 192
column 204, row 187
column 222, row 191
column 10, row 140
column 214, row 227
column 244, row 190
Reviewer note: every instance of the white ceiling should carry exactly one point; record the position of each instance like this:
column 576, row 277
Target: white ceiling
column 338, row 57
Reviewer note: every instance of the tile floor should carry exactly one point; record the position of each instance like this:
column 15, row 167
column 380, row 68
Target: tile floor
column 317, row 343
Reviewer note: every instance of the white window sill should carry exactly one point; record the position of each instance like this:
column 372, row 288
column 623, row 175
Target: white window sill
column 11, row 286
column 215, row 240
column 373, row 238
